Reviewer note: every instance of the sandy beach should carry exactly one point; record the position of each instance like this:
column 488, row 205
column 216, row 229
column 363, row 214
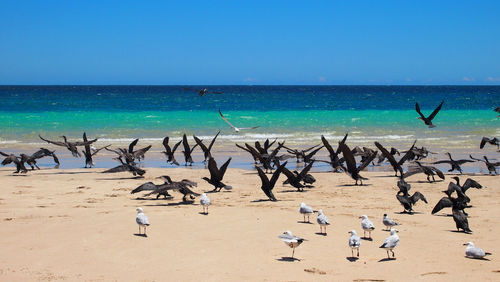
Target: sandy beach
column 79, row 224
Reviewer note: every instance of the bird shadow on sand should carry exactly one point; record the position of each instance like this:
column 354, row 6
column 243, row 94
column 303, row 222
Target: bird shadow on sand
column 408, row 213
column 222, row 191
column 66, row 172
column 443, row 215
column 16, row 174
column 384, row 176
column 291, row 191
column 121, row 178
column 366, row 239
column 354, row 185
column 203, row 213
column 304, row 222
column 352, row 259
column 289, row 259
column 387, row 259
column 267, row 200
column 171, row 204
column 321, row 234
column 478, row 258
column 153, row 199
column 140, row 235
column 456, row 231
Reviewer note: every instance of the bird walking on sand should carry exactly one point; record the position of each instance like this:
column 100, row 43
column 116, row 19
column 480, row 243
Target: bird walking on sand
column 306, row 210
column 205, row 202
column 388, row 222
column 354, row 242
column 428, row 120
column 391, row 242
column 291, row 240
column 322, row 221
column 367, row 226
column 474, row 252
column 142, row 220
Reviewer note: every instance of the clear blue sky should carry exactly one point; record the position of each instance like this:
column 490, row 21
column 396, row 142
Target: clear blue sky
column 250, row 42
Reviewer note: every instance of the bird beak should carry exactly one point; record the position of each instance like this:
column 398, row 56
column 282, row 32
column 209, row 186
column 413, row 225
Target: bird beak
column 465, row 244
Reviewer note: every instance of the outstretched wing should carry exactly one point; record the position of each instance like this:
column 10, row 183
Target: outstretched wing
column 165, row 144
column 471, row 183
column 276, row 174
column 434, row 113
column 418, row 196
column 349, row 157
column 132, row 145
column 200, row 143
column 58, row 143
column 144, row 187
column 367, row 161
column 222, row 116
column 213, row 141
column 445, row 202
column 389, row 157
column 223, row 168
column 417, row 108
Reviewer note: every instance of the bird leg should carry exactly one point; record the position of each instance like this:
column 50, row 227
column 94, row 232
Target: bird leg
column 358, row 251
column 388, row 256
column 352, row 252
column 392, row 253
column 293, row 252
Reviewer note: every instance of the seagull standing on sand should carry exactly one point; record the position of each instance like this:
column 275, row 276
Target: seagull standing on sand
column 322, row 221
column 354, row 242
column 305, row 210
column 236, row 129
column 391, row 242
column 205, row 202
column 142, row 220
column 290, row 240
column 367, row 226
column 388, row 222
column 474, row 252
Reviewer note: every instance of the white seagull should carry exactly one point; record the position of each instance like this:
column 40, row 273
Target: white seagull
column 291, row 240
column 391, row 242
column 305, row 210
column 205, row 202
column 236, row 129
column 388, row 222
column 354, row 242
column 474, row 252
column 322, row 221
column 142, row 220
column 367, row 225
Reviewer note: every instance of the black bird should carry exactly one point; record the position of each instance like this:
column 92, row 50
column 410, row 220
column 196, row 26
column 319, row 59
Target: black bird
column 182, row 186
column 430, row 171
column 455, row 164
column 352, row 170
column 71, row 146
column 492, row 167
column 249, row 151
column 493, row 141
column 396, row 165
column 268, row 184
column 123, row 154
column 88, row 153
column 459, row 203
column 216, row 175
column 419, row 153
column 126, row 167
column 405, row 199
column 266, row 159
column 205, row 149
column 13, row 159
column 295, row 178
column 203, row 91
column 461, row 221
column 187, row 151
column 150, row 186
column 393, row 152
column 428, row 120
column 137, row 154
column 335, row 160
column 301, row 155
column 469, row 183
column 31, row 160
column 169, row 152
column 497, row 110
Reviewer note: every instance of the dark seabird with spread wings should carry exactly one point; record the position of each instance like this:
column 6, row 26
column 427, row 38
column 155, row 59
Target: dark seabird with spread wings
column 404, row 197
column 430, row 171
column 396, row 165
column 455, row 164
column 268, row 184
column 492, row 167
column 126, row 167
column 217, row 174
column 352, row 170
column 492, row 141
column 187, row 151
column 203, row 91
column 295, row 178
column 13, row 159
column 206, row 150
column 428, row 120
column 31, row 160
column 71, row 146
column 88, row 153
column 169, row 152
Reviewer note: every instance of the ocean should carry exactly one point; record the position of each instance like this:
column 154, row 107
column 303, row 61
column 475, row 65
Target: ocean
column 297, row 114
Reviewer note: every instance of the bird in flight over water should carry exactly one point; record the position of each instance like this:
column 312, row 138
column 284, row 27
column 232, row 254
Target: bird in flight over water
column 236, row 129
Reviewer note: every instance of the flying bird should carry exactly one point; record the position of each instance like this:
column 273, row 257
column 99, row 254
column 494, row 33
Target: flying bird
column 169, row 152
column 187, row 151
column 203, row 91
column 71, row 146
column 236, row 129
column 455, row 164
column 352, row 170
column 428, row 120
column 206, row 150
column 88, row 153
column 492, row 141
column 492, row 167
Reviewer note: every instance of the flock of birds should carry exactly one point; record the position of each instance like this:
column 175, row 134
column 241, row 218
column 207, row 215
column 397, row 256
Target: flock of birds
column 268, row 160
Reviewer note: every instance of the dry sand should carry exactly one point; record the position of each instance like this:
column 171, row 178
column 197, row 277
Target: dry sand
column 80, row 225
